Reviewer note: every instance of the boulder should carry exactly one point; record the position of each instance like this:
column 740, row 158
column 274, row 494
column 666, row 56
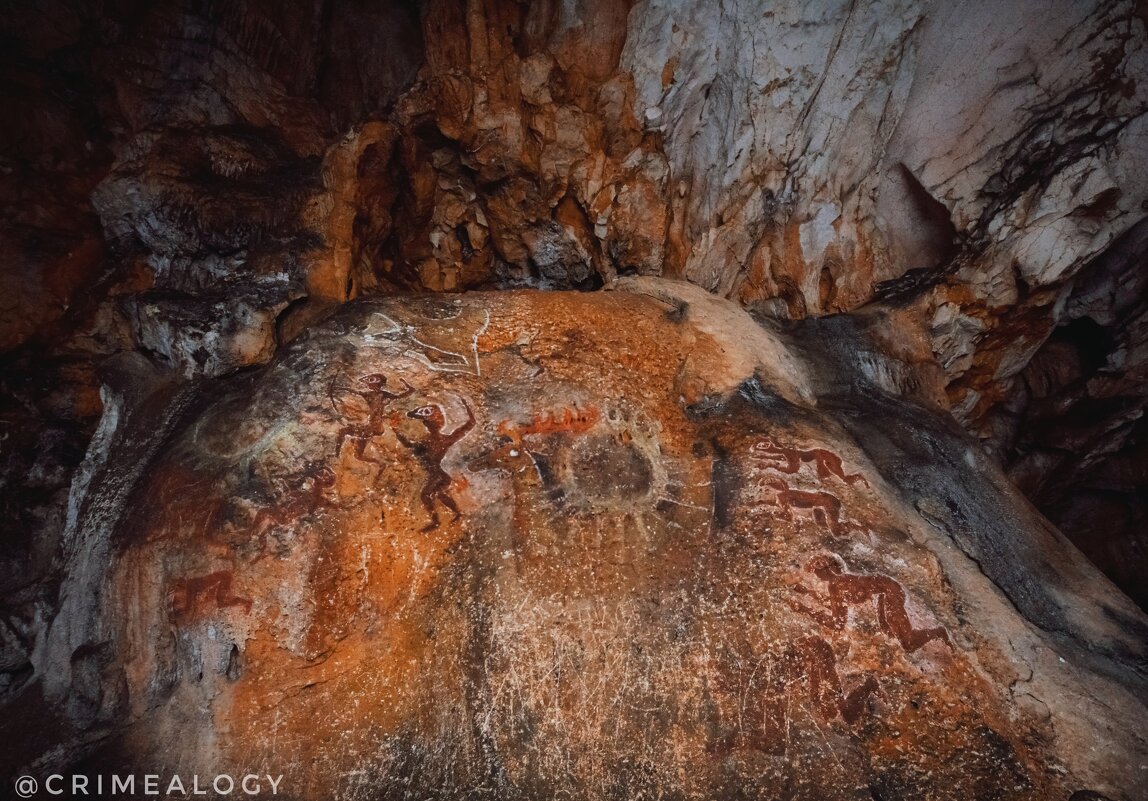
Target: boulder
column 622, row 544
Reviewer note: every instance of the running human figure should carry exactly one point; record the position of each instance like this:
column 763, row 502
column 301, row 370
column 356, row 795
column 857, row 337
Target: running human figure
column 309, row 494
column 430, row 452
column 850, row 589
column 811, row 661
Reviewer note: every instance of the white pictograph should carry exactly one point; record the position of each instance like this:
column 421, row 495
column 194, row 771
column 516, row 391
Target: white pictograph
column 385, row 328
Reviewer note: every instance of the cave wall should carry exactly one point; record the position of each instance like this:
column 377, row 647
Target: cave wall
column 525, row 545
column 198, row 182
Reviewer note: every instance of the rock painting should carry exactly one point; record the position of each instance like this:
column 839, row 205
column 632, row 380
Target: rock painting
column 571, row 421
column 432, row 357
column 190, row 596
column 551, row 579
column 430, row 451
column 811, row 661
column 756, row 700
column 789, row 460
column 307, row 495
column 378, row 398
column 822, row 507
column 849, row 590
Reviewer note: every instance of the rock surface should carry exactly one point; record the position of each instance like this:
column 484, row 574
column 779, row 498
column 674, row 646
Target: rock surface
column 944, row 200
column 605, row 545
column 199, row 181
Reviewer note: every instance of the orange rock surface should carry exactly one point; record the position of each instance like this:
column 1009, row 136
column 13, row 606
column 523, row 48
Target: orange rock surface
column 608, row 545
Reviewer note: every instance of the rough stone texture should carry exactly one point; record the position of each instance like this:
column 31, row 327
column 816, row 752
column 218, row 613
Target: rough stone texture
column 605, row 545
column 803, row 159
column 1073, row 431
column 200, row 182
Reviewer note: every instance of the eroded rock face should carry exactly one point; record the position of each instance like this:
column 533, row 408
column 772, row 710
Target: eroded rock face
column 198, row 182
column 607, row 545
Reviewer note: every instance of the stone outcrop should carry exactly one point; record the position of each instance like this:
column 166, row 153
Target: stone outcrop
column 956, row 192
column 250, row 164
column 604, row 545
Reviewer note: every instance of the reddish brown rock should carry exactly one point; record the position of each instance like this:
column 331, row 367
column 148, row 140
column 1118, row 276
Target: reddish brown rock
column 967, row 185
column 523, row 545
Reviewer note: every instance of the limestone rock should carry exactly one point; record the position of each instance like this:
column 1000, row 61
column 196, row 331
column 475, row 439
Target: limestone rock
column 942, row 202
column 632, row 543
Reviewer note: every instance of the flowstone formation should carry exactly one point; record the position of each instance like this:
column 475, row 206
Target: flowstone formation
column 624, row 544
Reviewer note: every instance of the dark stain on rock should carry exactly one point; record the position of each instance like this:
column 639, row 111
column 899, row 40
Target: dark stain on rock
column 234, row 667
column 726, row 486
column 761, row 397
column 606, row 469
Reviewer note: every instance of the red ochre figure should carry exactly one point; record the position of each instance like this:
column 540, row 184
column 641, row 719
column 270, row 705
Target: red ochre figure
column 304, row 499
column 431, row 451
column 812, row 659
column 826, row 508
column 850, row 589
column 187, row 594
column 573, row 421
column 789, row 460
column 378, row 397
column 755, row 699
